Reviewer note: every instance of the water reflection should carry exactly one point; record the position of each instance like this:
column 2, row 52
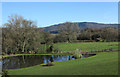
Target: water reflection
column 17, row 62
column 31, row 60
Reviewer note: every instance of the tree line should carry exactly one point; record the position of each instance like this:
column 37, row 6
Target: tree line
column 70, row 32
column 20, row 35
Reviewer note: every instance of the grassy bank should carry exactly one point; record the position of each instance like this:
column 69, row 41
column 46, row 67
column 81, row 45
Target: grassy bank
column 32, row 54
column 105, row 63
column 89, row 46
column 69, row 47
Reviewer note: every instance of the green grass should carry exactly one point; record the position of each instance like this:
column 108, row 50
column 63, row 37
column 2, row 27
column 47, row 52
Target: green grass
column 105, row 63
column 69, row 47
column 31, row 54
column 91, row 46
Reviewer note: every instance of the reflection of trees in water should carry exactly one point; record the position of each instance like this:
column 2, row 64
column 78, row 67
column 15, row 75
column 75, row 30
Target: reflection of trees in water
column 34, row 60
column 31, row 60
column 22, row 61
column 51, row 59
column 60, row 57
column 13, row 62
column 69, row 58
column 48, row 58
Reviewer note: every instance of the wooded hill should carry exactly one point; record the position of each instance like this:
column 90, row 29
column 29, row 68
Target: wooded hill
column 82, row 25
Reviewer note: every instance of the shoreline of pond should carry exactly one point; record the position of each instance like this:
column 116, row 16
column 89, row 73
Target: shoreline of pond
column 63, row 53
column 32, row 60
column 32, row 54
column 49, row 55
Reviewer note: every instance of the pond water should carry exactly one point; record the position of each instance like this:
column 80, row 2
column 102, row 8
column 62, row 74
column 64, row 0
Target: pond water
column 23, row 61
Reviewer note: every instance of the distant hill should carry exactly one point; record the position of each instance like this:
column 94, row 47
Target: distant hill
column 82, row 25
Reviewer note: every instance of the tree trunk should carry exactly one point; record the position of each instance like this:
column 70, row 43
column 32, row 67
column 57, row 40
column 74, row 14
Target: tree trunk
column 6, row 50
column 23, row 58
column 23, row 48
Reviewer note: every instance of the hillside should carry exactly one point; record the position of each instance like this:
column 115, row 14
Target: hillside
column 82, row 25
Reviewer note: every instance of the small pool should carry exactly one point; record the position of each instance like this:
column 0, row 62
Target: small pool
column 24, row 61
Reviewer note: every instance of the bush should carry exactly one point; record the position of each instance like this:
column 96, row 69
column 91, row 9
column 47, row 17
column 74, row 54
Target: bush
column 4, row 73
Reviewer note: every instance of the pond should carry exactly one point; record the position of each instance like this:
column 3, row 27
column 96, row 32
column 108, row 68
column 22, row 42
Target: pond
column 23, row 61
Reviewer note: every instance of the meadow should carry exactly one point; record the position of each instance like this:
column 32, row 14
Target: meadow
column 86, row 46
column 105, row 63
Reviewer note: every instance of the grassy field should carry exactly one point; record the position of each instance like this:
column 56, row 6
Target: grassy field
column 30, row 54
column 83, row 46
column 105, row 63
column 91, row 46
column 69, row 47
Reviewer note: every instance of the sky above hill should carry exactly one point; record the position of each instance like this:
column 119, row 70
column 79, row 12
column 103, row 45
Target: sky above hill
column 50, row 13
